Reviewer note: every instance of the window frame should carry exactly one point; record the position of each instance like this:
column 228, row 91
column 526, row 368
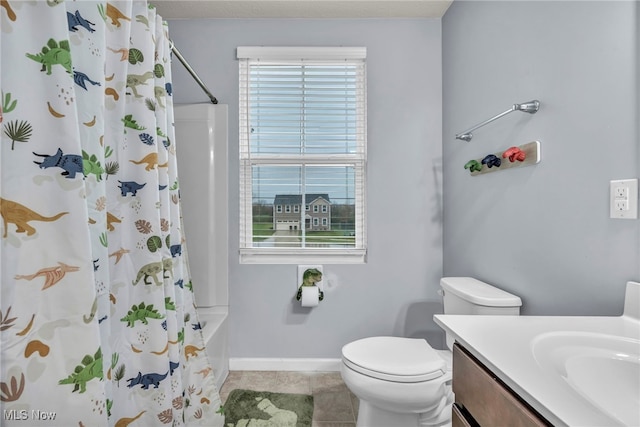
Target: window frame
column 249, row 254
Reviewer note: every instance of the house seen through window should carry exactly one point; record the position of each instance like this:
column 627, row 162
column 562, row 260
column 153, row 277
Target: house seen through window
column 302, row 154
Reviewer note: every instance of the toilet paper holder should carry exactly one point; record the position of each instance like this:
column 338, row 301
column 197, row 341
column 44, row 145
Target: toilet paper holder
column 309, row 276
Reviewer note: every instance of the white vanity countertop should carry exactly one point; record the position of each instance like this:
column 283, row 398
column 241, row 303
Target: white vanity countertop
column 504, row 344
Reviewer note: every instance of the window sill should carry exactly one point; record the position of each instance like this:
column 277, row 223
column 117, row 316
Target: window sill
column 302, row 256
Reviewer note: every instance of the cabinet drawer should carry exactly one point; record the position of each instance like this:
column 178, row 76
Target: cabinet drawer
column 488, row 400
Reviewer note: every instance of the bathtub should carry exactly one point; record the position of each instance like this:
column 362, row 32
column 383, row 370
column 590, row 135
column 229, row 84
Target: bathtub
column 214, row 323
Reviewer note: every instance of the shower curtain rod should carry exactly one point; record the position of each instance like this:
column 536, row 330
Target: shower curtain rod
column 192, row 72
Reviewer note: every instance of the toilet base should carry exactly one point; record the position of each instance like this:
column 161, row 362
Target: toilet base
column 372, row 416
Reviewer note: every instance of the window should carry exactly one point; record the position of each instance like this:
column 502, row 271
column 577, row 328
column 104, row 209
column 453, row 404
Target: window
column 302, row 142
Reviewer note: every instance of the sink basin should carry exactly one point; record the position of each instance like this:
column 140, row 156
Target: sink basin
column 603, row 370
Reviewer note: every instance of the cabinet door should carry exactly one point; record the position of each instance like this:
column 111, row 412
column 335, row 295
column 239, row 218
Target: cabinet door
column 457, row 417
column 488, row 400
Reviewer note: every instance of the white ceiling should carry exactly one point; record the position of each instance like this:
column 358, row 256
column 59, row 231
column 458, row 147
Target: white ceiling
column 193, row 9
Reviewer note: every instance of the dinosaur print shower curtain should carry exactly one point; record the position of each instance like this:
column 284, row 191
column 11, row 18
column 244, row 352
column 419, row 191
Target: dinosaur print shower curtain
column 97, row 318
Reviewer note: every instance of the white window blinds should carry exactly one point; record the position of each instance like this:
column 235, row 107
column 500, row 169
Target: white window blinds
column 302, row 143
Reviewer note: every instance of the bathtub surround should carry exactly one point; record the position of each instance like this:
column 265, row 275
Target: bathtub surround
column 203, row 129
column 214, row 322
column 99, row 326
column 203, row 164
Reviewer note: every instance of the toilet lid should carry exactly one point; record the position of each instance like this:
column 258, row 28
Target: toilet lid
column 394, row 359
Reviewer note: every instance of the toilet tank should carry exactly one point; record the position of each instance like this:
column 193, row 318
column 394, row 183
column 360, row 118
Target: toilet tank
column 466, row 295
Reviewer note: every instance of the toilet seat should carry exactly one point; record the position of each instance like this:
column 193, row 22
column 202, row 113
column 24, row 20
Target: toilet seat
column 402, row 360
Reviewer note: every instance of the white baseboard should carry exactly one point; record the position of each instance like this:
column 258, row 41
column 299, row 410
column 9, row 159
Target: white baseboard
column 276, row 364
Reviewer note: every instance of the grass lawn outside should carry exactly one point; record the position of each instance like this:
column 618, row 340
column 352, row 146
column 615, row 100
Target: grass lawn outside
column 333, row 236
column 263, row 230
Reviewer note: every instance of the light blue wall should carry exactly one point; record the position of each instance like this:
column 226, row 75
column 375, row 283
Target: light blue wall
column 543, row 232
column 395, row 292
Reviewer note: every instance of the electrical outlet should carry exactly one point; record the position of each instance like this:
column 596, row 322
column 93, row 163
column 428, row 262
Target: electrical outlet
column 623, row 199
column 621, row 205
column 621, row 192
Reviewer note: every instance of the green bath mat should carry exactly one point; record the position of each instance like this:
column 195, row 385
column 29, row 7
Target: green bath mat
column 276, row 409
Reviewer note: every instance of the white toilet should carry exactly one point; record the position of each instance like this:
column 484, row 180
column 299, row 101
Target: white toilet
column 403, row 382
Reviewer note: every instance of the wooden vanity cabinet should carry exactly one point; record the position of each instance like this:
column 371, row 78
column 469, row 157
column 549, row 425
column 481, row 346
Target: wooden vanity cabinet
column 481, row 399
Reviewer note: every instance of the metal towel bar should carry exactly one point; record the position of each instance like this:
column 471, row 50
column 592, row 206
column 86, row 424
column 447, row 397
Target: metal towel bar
column 527, row 107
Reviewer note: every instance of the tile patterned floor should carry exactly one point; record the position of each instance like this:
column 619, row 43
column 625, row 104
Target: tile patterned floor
column 334, row 404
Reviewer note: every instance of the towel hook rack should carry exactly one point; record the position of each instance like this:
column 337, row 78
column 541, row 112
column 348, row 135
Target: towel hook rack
column 526, row 107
